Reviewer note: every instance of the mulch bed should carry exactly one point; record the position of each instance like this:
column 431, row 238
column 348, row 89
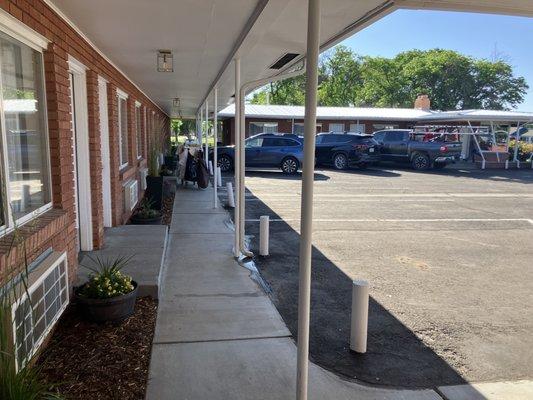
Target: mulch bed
column 92, row 361
column 166, row 209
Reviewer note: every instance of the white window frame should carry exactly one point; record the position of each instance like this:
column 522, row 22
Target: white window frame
column 337, row 123
column 356, row 127
column 121, row 95
column 138, row 130
column 56, row 259
column 262, row 124
column 21, row 32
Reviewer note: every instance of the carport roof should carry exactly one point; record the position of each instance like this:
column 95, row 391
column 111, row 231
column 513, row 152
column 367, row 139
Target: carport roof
column 341, row 113
column 380, row 114
column 205, row 35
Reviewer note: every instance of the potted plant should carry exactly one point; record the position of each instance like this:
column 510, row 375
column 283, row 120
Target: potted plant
column 108, row 295
column 146, row 214
column 154, row 182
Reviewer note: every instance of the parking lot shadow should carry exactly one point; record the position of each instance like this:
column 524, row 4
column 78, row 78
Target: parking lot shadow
column 280, row 175
column 395, row 357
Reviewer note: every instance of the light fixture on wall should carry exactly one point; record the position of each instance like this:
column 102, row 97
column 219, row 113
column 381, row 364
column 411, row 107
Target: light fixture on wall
column 165, row 61
column 176, row 102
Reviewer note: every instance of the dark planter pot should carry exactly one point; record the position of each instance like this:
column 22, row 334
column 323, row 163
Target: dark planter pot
column 171, row 162
column 115, row 309
column 136, row 220
column 154, row 190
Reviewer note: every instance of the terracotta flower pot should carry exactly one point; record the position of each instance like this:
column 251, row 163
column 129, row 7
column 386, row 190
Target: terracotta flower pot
column 114, row 309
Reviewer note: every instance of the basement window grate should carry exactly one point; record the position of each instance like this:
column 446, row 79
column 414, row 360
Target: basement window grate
column 284, row 60
column 37, row 311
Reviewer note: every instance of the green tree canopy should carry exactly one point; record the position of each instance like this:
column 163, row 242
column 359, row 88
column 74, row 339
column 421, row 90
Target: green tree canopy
column 451, row 80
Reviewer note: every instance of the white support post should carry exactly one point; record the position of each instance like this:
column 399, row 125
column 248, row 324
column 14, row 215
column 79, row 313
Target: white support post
column 264, row 233
column 219, row 176
column 231, row 197
column 216, row 178
column 237, row 161
column 206, row 156
column 516, row 144
column 304, row 297
column 359, row 319
column 242, row 173
column 210, row 164
column 201, row 122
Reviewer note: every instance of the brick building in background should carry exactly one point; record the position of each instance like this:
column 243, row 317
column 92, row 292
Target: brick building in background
column 289, row 119
column 76, row 134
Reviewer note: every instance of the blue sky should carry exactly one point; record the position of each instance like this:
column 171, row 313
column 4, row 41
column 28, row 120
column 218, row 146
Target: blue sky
column 477, row 35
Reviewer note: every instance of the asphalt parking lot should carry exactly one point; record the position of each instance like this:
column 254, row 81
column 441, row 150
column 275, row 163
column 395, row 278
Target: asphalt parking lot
column 448, row 255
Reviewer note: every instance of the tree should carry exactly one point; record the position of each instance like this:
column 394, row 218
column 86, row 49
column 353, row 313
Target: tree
column 451, row 80
column 341, row 78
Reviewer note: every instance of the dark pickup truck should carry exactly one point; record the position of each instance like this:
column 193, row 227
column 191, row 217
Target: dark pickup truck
column 421, row 150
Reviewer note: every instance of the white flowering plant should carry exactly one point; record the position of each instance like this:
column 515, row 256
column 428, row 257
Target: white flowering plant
column 107, row 280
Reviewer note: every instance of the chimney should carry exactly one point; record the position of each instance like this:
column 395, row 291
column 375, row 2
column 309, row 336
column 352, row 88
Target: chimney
column 422, row 102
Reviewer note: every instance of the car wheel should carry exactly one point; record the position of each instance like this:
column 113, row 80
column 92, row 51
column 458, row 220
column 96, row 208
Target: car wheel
column 289, row 165
column 340, row 161
column 225, row 163
column 420, row 162
column 439, row 165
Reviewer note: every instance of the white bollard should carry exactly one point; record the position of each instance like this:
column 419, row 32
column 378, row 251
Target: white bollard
column 219, row 176
column 210, row 168
column 359, row 323
column 231, row 197
column 264, row 232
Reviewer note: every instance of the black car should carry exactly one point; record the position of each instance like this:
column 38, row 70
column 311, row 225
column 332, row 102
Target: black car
column 342, row 150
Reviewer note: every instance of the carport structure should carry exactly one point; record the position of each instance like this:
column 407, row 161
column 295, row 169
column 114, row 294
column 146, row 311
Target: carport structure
column 221, row 47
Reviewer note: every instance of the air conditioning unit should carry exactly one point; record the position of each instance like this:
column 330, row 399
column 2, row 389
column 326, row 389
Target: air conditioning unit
column 143, row 173
column 38, row 301
column 131, row 194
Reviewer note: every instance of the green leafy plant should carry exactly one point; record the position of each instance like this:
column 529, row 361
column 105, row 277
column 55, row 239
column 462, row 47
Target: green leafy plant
column 146, row 209
column 107, row 280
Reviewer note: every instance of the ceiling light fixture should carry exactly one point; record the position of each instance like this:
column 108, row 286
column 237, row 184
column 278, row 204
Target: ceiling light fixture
column 165, row 61
column 176, row 102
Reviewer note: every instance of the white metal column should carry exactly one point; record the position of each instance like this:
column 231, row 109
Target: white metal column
column 304, row 296
column 215, row 156
column 242, row 173
column 237, row 161
column 206, row 158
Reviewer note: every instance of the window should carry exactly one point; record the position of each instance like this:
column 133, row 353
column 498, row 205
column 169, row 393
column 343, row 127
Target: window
column 122, row 128
column 254, row 142
column 279, row 142
column 299, row 128
column 24, row 133
column 336, row 127
column 395, row 136
column 379, row 127
column 263, row 127
column 138, row 130
column 37, row 311
column 359, row 128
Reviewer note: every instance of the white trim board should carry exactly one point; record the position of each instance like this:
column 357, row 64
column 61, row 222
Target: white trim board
column 104, row 147
column 20, row 31
column 82, row 159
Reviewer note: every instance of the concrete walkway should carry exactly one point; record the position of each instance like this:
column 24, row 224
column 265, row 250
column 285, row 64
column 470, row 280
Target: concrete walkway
column 218, row 336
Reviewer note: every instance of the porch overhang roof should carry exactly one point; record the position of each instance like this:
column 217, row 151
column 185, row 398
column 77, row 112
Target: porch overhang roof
column 205, row 35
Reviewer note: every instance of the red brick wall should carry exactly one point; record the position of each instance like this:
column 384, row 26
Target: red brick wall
column 285, row 126
column 66, row 41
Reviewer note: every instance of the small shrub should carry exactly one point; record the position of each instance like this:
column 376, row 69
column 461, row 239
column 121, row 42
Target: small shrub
column 106, row 280
column 525, row 150
column 146, row 209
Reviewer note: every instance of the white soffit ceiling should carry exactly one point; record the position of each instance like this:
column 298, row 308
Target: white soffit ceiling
column 203, row 33
column 200, row 34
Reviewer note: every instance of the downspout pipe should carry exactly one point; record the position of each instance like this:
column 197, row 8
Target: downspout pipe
column 241, row 188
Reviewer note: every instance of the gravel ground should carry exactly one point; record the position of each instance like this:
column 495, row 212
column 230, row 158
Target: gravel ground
column 448, row 257
column 89, row 361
